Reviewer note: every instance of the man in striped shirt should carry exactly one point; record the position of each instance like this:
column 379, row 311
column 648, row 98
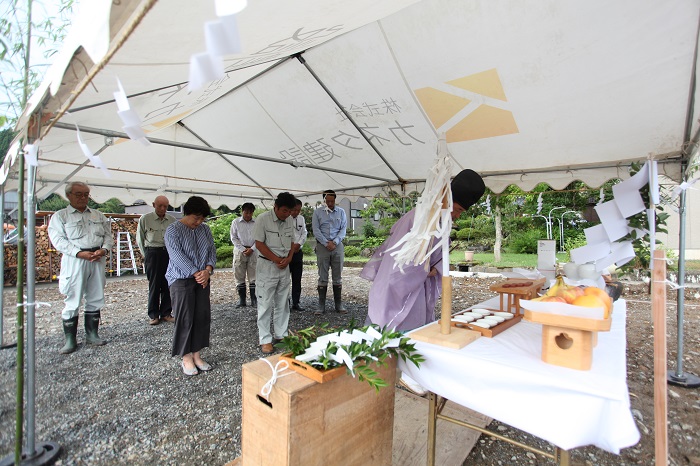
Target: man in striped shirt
column 245, row 254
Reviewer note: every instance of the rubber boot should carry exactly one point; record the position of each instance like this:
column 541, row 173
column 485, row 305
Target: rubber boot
column 337, row 289
column 241, row 296
column 92, row 322
column 322, row 290
column 70, row 329
column 253, row 297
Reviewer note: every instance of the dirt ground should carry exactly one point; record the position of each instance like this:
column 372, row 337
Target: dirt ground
column 147, row 430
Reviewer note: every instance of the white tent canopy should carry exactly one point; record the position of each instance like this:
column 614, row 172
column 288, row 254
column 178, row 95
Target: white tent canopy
column 351, row 96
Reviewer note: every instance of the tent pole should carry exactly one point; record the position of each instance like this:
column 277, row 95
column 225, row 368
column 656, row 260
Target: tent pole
column 2, row 274
column 679, row 377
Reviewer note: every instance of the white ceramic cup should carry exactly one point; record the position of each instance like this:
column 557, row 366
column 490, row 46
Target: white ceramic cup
column 571, row 270
column 588, row 271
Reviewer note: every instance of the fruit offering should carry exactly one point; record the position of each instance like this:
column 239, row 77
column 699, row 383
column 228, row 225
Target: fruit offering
column 589, row 296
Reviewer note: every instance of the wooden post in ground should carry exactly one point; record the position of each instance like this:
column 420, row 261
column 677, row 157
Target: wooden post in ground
column 658, row 310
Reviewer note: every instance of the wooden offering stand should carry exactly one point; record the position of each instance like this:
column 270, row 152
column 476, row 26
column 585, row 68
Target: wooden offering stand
column 568, row 341
column 514, row 289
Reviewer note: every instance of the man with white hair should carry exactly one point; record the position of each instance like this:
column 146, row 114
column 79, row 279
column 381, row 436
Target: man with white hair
column 84, row 237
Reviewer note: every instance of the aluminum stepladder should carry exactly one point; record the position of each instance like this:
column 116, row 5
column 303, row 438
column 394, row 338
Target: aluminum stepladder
column 123, row 246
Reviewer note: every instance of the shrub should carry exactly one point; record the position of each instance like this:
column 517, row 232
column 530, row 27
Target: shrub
column 224, row 256
column 574, row 239
column 464, row 234
column 352, row 251
column 368, row 230
column 525, row 242
column 372, row 242
column 307, row 247
column 221, row 230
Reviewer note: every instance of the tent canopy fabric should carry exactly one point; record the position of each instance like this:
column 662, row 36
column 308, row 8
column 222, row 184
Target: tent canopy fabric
column 352, row 96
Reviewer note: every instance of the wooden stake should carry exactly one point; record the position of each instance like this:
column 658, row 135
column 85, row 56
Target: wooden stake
column 446, row 310
column 658, row 310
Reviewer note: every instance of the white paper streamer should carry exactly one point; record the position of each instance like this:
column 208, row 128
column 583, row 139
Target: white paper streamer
column 204, row 67
column 31, row 154
column 229, row 7
column 684, row 186
column 431, row 221
column 94, row 159
column 131, row 119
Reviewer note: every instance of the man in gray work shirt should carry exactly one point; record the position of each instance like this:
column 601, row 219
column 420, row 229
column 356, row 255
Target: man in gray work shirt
column 149, row 236
column 329, row 225
column 84, row 237
column 274, row 237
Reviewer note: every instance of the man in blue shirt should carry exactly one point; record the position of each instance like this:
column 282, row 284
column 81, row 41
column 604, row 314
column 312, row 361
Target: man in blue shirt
column 329, row 226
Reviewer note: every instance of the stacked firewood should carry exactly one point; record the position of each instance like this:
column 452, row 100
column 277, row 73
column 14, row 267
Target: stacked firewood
column 48, row 260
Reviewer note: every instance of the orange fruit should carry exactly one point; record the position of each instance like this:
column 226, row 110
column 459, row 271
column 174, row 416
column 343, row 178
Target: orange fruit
column 590, row 301
column 603, row 295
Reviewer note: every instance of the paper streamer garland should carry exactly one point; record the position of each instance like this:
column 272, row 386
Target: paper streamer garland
column 602, row 246
column 222, row 38
column 432, row 223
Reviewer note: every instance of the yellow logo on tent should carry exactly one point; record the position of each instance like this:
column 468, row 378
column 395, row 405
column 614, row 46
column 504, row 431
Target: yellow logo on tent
column 475, row 114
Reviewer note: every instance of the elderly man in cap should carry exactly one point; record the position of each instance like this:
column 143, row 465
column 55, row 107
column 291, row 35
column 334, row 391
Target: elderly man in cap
column 406, row 299
column 84, row 237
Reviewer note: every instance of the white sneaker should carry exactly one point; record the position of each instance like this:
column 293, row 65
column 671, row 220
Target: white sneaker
column 411, row 385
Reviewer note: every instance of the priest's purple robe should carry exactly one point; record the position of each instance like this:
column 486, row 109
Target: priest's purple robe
column 401, row 300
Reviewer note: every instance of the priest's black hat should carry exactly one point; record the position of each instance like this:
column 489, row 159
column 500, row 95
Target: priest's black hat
column 467, row 188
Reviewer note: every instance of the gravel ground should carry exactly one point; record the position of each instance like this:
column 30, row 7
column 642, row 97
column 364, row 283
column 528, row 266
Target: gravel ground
column 128, row 401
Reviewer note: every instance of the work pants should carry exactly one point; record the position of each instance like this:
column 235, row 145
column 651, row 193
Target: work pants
column 332, row 260
column 159, row 304
column 272, row 289
column 80, row 277
column 296, row 267
column 244, row 265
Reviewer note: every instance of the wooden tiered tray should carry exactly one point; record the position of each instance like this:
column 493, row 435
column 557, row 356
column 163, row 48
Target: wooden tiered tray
column 487, row 332
column 512, row 290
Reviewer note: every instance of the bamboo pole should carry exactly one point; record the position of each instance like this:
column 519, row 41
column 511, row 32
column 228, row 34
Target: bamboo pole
column 446, row 305
column 658, row 310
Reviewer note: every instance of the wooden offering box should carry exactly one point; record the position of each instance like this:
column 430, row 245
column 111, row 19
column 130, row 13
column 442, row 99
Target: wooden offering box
column 307, row 370
column 568, row 341
column 342, row 421
column 514, row 289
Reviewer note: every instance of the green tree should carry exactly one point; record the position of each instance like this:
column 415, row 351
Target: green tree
column 6, row 136
column 53, row 203
column 27, row 25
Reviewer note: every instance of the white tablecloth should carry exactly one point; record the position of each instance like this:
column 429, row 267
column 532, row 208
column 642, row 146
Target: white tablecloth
column 505, row 378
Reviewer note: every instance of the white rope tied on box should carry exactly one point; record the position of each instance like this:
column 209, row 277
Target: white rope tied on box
column 431, row 220
column 276, row 369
